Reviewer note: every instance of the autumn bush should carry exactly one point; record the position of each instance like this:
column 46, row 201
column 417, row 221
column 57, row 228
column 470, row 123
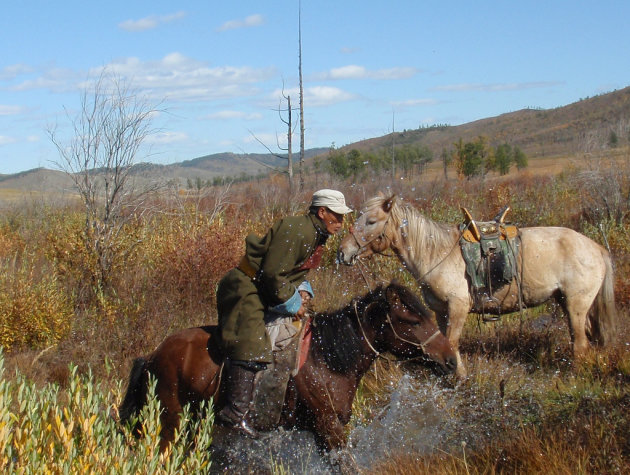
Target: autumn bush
column 58, row 325
column 34, row 309
column 44, row 429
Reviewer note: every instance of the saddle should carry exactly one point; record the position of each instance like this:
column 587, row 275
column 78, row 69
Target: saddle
column 489, row 249
column 475, row 231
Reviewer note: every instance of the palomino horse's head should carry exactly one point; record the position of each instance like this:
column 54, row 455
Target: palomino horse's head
column 407, row 329
column 370, row 233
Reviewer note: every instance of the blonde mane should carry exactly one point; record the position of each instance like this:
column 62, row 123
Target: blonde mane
column 426, row 239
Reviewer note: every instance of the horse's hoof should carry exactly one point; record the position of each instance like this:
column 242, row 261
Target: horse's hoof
column 491, row 318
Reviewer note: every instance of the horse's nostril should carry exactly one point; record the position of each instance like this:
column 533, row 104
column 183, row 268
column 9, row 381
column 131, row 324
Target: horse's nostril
column 451, row 363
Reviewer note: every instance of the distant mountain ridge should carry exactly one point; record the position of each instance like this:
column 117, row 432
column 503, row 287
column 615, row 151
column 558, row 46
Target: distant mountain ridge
column 538, row 132
column 566, row 130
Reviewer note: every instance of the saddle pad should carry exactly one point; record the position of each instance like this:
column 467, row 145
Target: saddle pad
column 271, row 383
column 491, row 263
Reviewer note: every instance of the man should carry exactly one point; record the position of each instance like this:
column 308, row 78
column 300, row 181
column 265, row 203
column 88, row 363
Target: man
column 267, row 279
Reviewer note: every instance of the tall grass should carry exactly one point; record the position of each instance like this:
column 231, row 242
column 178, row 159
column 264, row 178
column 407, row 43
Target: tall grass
column 51, row 430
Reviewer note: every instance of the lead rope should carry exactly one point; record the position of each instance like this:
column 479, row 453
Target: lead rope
column 356, row 312
column 377, row 353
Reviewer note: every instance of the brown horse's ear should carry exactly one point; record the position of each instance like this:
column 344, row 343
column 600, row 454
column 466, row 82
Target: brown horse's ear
column 392, row 295
column 387, row 205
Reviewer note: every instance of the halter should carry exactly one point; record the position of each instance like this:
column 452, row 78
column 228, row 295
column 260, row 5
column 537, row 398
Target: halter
column 421, row 345
column 380, row 236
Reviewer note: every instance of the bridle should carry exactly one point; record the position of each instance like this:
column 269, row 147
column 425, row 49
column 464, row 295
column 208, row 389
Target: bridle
column 421, row 345
column 379, row 236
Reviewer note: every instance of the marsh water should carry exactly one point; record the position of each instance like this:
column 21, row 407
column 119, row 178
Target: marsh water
column 414, row 421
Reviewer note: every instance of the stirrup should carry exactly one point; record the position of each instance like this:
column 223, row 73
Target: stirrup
column 244, row 428
column 241, row 427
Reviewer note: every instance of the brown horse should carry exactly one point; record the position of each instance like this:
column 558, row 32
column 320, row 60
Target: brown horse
column 554, row 262
column 344, row 344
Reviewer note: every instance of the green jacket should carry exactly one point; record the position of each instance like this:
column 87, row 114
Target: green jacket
column 271, row 270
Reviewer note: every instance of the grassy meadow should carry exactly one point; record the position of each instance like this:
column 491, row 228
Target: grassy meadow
column 68, row 339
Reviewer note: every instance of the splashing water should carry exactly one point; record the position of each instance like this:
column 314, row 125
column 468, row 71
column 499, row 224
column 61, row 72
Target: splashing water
column 412, row 422
column 278, row 451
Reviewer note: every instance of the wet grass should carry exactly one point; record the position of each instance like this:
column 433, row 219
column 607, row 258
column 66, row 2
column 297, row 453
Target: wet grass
column 533, row 414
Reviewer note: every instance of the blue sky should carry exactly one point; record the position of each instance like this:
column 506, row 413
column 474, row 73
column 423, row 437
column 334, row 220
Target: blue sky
column 218, row 68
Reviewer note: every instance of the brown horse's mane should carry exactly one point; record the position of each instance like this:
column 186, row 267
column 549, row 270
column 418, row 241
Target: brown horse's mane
column 336, row 339
column 336, row 336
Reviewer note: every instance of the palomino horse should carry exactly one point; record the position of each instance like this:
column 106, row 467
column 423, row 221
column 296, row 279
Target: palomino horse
column 554, row 262
column 343, row 346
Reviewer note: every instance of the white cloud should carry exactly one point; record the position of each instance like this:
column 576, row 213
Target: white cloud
column 53, row 79
column 466, row 87
column 5, row 140
column 415, row 102
column 322, row 96
column 167, row 138
column 317, row 95
column 174, row 77
column 14, row 70
column 32, row 138
column 354, row 71
column 349, row 50
column 150, row 22
column 179, row 78
column 230, row 114
column 252, row 20
column 11, row 110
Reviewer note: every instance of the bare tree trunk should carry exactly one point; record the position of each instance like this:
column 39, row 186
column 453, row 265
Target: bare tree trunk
column 301, row 168
column 393, row 151
column 290, row 147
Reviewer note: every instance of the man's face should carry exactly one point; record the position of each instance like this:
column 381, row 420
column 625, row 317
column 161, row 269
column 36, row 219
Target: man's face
column 333, row 221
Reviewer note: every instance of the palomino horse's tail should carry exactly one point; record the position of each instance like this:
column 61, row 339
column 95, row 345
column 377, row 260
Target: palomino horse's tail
column 136, row 395
column 603, row 314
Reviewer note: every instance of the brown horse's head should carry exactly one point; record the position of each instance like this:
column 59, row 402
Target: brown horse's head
column 408, row 329
column 370, row 234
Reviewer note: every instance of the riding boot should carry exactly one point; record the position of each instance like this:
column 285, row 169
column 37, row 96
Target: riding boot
column 239, row 379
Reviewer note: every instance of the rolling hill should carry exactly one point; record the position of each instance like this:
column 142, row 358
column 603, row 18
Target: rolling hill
column 565, row 131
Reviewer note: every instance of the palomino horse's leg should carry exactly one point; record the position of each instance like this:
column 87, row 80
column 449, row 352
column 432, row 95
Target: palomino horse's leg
column 457, row 313
column 576, row 308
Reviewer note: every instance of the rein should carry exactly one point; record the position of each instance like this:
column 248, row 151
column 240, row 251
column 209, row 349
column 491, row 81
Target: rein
column 376, row 352
column 421, row 345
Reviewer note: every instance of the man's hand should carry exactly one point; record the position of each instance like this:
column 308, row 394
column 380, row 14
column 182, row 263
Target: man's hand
column 306, row 304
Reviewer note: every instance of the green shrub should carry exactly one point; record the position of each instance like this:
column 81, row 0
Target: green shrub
column 47, row 430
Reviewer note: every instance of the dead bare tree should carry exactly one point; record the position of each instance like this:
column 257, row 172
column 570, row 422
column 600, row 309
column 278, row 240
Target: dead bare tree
column 108, row 131
column 301, row 167
column 289, row 148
